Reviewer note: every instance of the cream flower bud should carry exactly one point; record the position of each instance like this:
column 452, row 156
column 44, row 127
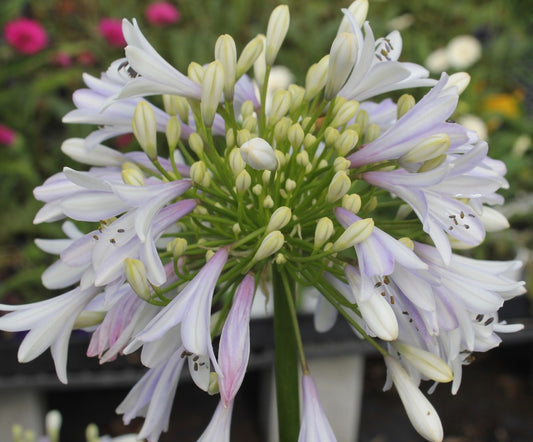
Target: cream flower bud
column 236, row 162
column 247, row 108
column 249, row 55
column 265, row 177
column 315, row 78
column 346, row 112
column 53, row 421
column 268, row 202
column 338, row 187
column 259, row 155
column 257, row 189
column 432, row 164
column 278, row 25
column 270, row 245
column 341, row 61
column 197, row 171
column 281, row 129
column 212, row 85
column 297, row 96
column 226, row 53
column 260, row 65
column 331, row 135
column 407, row 242
column 183, row 109
column 323, row 231
column 302, row 159
column 362, row 119
column 346, row 142
column 136, row 276
column 132, row 176
column 405, row 103
column 196, row 143
column 425, row 362
column 243, row 181
column 236, row 228
column 372, row 132
column 432, row 147
column 296, row 135
column 281, row 102
column 177, row 247
column 341, row 163
column 354, row 234
column 421, row 413
column 359, row 9
column 230, row 137
column 195, row 72
column 243, row 136
column 279, row 219
column 145, row 128
column 170, row 104
column 88, row 319
column 250, row 124
column 352, row 202
column 290, row 185
column 173, row 132
column 460, row 80
column 309, row 141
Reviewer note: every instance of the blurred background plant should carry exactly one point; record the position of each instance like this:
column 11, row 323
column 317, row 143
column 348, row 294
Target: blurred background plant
column 48, row 44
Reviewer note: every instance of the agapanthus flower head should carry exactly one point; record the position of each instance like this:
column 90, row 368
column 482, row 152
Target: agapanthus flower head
column 235, row 187
column 26, row 35
column 162, row 13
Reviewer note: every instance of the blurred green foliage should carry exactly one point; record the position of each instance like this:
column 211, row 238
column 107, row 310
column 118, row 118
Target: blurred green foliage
column 36, row 90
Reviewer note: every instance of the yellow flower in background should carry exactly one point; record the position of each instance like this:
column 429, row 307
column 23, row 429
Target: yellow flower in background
column 505, row 105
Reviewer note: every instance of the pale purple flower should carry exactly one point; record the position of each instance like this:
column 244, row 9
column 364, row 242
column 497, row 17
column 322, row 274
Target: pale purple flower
column 315, row 426
column 220, row 425
column 234, row 347
column 191, row 309
column 49, row 323
column 376, row 69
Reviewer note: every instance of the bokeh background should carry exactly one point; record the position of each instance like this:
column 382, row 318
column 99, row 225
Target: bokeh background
column 36, row 86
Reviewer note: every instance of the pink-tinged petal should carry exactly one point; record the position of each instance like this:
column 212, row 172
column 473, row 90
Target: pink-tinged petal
column 220, row 425
column 234, row 348
column 315, row 426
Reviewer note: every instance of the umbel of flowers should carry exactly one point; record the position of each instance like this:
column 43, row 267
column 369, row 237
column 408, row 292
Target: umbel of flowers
column 236, row 188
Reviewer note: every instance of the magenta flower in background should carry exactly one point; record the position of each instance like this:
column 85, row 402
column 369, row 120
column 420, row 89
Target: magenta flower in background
column 7, row 135
column 26, row 35
column 111, row 30
column 162, row 13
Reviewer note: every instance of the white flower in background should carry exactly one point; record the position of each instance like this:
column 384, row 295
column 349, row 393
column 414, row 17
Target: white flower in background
column 473, row 122
column 463, row 51
column 233, row 189
column 437, row 61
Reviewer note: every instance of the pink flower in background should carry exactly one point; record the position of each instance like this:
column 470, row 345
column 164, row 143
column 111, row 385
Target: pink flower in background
column 26, row 35
column 162, row 13
column 7, row 135
column 111, row 30
column 62, row 59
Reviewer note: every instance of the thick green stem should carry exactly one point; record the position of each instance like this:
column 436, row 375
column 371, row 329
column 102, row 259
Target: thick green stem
column 286, row 363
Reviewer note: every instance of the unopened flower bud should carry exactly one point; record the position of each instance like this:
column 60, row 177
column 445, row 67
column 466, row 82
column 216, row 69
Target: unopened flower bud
column 136, row 276
column 243, row 136
column 236, row 162
column 173, row 132
column 297, row 96
column 257, row 189
column 250, row 124
column 177, row 247
column 260, row 65
column 236, row 228
column 341, row 163
column 243, row 181
column 346, row 142
column 195, row 72
column 280, row 259
column 359, row 9
column 302, row 158
column 170, row 104
column 278, row 25
column 197, row 171
column 281, row 103
column 53, row 421
column 259, row 155
column 196, row 143
column 352, row 202
column 209, row 254
column 338, row 187
column 407, row 242
column 346, row 112
column 432, row 164
column 331, row 135
column 362, row 119
column 309, row 141
column 371, row 204
column 296, row 135
column 427, row 363
column 280, row 156
column 281, row 129
column 230, row 138
column 212, row 85
column 268, row 202
column 226, row 53
column 432, row 147
column 316, row 77
column 405, row 103
column 132, row 176
column 372, row 132
column 247, row 109
column 341, row 61
column 290, row 185
column 270, row 245
column 323, row 231
column 421, row 413
column 145, row 128
column 266, row 177
column 249, row 55
column 354, row 234
column 279, row 219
